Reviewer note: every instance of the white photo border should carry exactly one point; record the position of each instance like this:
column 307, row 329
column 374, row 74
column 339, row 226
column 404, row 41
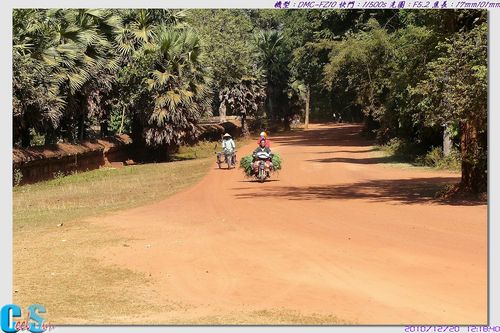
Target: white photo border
column 6, row 270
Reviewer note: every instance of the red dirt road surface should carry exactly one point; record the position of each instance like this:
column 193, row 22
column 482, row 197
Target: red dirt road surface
column 337, row 234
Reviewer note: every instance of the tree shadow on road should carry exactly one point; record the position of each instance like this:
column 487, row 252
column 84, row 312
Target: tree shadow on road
column 368, row 160
column 407, row 191
column 348, row 151
column 341, row 135
column 256, row 181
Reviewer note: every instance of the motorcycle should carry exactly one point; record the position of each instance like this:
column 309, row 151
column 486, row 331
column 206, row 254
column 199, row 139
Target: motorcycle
column 228, row 158
column 265, row 166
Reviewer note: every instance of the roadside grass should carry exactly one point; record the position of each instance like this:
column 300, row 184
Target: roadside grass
column 204, row 149
column 405, row 157
column 86, row 194
column 56, row 265
column 58, row 268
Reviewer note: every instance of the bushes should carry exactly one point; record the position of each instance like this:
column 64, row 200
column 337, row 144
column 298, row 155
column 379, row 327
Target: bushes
column 403, row 151
column 436, row 159
column 18, row 177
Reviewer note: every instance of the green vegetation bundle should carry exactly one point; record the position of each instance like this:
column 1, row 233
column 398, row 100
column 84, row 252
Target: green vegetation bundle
column 277, row 162
column 246, row 163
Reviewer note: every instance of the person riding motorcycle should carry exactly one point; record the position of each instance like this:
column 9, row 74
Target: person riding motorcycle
column 263, row 135
column 262, row 148
column 228, row 146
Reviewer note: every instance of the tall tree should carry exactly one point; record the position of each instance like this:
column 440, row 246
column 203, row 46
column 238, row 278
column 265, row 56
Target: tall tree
column 177, row 84
column 226, row 38
column 245, row 99
column 455, row 89
column 274, row 57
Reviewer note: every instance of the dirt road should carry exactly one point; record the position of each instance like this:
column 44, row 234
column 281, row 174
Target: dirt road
column 338, row 236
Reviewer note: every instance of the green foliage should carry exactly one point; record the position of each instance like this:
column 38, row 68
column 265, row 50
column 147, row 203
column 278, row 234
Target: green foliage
column 245, row 97
column 246, row 163
column 436, row 159
column 402, row 150
column 177, row 84
column 155, row 73
column 274, row 57
column 201, row 149
column 455, row 86
column 297, row 94
column 66, row 58
column 412, row 79
column 455, row 90
column 226, row 38
column 363, row 55
column 77, row 67
column 163, row 87
column 119, row 121
column 277, row 162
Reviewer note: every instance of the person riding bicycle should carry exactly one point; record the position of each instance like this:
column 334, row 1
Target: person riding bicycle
column 262, row 149
column 263, row 135
column 228, row 146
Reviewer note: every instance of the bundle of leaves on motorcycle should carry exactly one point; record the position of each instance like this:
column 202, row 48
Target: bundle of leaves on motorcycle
column 246, row 163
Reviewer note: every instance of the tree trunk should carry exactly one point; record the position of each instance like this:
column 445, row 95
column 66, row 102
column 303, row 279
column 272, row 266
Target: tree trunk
column 104, row 128
column 139, row 146
column 270, row 111
column 308, row 100
column 25, row 137
column 474, row 176
column 81, row 127
column 51, row 137
column 222, row 112
column 104, row 119
column 244, row 125
column 25, row 134
column 120, row 130
column 136, row 130
column 82, row 115
column 286, row 122
column 447, row 143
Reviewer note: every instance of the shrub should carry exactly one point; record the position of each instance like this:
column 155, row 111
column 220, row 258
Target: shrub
column 18, row 177
column 401, row 149
column 435, row 158
column 432, row 158
column 58, row 175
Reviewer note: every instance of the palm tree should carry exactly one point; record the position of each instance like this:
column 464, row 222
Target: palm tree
column 37, row 101
column 69, row 56
column 179, row 87
column 299, row 95
column 66, row 65
column 244, row 98
column 274, row 58
column 87, row 62
column 140, row 27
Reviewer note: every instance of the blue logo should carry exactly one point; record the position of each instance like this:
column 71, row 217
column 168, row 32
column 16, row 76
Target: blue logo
column 33, row 322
